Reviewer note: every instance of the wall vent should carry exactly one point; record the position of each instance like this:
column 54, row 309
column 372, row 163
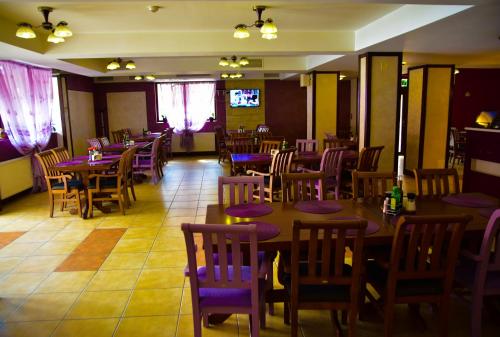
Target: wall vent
column 254, row 63
column 271, row 75
column 104, row 79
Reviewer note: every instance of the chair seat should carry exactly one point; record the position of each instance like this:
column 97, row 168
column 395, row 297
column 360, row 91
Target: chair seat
column 110, row 182
column 72, row 184
column 377, row 275
column 235, row 297
column 319, row 293
column 465, row 274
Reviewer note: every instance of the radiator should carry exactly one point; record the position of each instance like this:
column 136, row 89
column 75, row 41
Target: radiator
column 15, row 176
column 203, row 142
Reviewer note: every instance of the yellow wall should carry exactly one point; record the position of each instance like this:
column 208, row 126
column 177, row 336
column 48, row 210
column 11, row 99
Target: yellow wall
column 248, row 117
column 326, row 105
column 362, row 102
column 383, row 109
column 436, row 117
column 127, row 109
column 414, row 114
column 81, row 108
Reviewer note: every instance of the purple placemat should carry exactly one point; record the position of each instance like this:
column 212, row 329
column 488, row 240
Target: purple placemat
column 469, row 200
column 318, row 206
column 115, row 146
column 69, row 163
column 372, row 227
column 248, row 210
column 265, row 230
column 104, row 157
column 100, row 162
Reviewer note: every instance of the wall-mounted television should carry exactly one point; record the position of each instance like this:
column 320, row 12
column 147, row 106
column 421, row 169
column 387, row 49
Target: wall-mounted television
column 244, row 98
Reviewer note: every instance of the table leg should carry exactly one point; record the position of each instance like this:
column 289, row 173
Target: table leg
column 85, row 181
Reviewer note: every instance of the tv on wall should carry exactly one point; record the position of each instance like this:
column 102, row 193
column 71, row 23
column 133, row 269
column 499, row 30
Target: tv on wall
column 244, row 98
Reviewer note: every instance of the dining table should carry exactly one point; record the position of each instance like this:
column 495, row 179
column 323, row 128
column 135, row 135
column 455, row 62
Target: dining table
column 82, row 166
column 120, row 147
column 149, row 137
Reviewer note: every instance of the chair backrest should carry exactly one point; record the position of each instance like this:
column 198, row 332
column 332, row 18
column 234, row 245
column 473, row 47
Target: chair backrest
column 490, row 248
column 320, row 259
column 61, row 153
column 129, row 162
column 329, row 135
column 241, row 189
column 227, row 272
column 267, row 145
column 331, row 143
column 304, row 145
column 426, row 248
column 302, row 186
column 242, row 145
column 269, row 136
column 331, row 162
column 104, row 141
column 368, row 158
column 118, row 136
column 281, row 162
column 372, row 184
column 48, row 159
column 155, row 149
column 436, row 182
column 94, row 142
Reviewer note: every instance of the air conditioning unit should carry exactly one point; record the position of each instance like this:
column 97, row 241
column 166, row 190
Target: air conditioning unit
column 305, row 80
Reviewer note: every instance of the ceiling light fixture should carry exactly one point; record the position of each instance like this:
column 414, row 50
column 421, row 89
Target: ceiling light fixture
column 150, row 77
column 341, row 77
column 138, row 78
column 117, row 64
column 224, row 75
column 58, row 32
column 233, row 62
column 223, row 62
column 267, row 27
column 236, row 75
column 130, row 65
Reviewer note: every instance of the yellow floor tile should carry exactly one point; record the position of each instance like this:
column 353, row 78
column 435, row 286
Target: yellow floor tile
column 147, row 302
column 133, row 246
column 57, row 248
column 161, row 278
column 228, row 329
column 117, row 261
column 29, row 329
column 44, row 307
column 113, row 280
column 70, row 234
column 86, row 328
column 19, row 249
column 184, row 204
column 178, row 220
column 38, row 264
column 9, row 304
column 37, row 236
column 99, row 304
column 20, row 283
column 154, row 326
column 170, row 232
column 181, row 212
column 186, row 303
column 8, row 264
column 166, row 259
column 163, row 245
column 74, row 281
column 140, row 233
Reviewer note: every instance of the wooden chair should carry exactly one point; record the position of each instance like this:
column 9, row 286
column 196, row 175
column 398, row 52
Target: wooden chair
column 306, row 145
column 109, row 186
column 225, row 286
column 61, row 153
column 280, row 164
column 302, row 186
column 149, row 161
column 331, row 166
column 94, row 142
column 269, row 136
column 104, row 141
column 421, row 266
column 435, row 183
column 331, row 143
column 481, row 272
column 129, row 175
column 267, row 145
column 372, row 184
column 118, row 136
column 58, row 184
column 241, row 145
column 241, row 189
column 220, row 140
column 320, row 278
column 457, row 150
column 368, row 158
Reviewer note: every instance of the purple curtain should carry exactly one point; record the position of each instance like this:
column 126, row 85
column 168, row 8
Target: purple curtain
column 26, row 110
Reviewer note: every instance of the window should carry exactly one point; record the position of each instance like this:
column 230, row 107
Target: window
column 186, row 106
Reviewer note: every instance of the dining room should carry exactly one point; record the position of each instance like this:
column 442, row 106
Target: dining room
column 327, row 178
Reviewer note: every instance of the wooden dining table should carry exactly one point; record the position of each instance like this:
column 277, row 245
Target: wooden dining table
column 146, row 138
column 120, row 147
column 83, row 167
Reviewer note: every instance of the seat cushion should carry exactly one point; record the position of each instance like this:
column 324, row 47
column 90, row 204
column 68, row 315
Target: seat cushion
column 110, row 182
column 377, row 275
column 72, row 184
column 319, row 293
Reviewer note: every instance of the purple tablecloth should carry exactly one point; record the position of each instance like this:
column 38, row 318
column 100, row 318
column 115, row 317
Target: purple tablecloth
column 104, row 156
column 372, row 227
column 69, row 163
column 265, row 230
column 469, row 200
column 100, row 162
column 248, row 210
column 318, row 206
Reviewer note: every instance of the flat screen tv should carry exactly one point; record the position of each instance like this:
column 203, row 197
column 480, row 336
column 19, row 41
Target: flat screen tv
column 244, row 98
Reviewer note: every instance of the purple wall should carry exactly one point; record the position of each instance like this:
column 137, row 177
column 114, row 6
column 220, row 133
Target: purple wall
column 286, row 109
column 79, row 83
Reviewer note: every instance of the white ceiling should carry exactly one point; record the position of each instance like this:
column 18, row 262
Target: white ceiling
column 188, row 37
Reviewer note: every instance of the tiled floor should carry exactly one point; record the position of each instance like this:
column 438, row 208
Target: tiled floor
column 139, row 289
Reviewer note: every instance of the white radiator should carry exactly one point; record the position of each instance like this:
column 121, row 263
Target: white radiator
column 203, row 142
column 15, row 176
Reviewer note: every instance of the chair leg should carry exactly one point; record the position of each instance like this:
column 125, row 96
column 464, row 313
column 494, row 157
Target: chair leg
column 51, row 205
column 388, row 318
column 121, row 201
column 205, row 320
column 476, row 314
column 91, row 205
column 254, row 319
column 286, row 313
column 78, row 204
column 352, row 323
column 294, row 315
column 335, row 321
column 197, row 325
column 132, row 189
column 443, row 316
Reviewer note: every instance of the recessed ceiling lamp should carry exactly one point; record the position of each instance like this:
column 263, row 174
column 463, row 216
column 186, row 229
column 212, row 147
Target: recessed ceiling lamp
column 223, row 62
column 267, row 27
column 236, row 75
column 130, row 65
column 138, row 78
column 224, row 75
column 150, row 77
column 58, row 33
column 457, row 72
column 341, row 77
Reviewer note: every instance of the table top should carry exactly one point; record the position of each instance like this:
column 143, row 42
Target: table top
column 119, row 147
column 79, row 164
column 266, row 158
column 284, row 214
column 146, row 138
